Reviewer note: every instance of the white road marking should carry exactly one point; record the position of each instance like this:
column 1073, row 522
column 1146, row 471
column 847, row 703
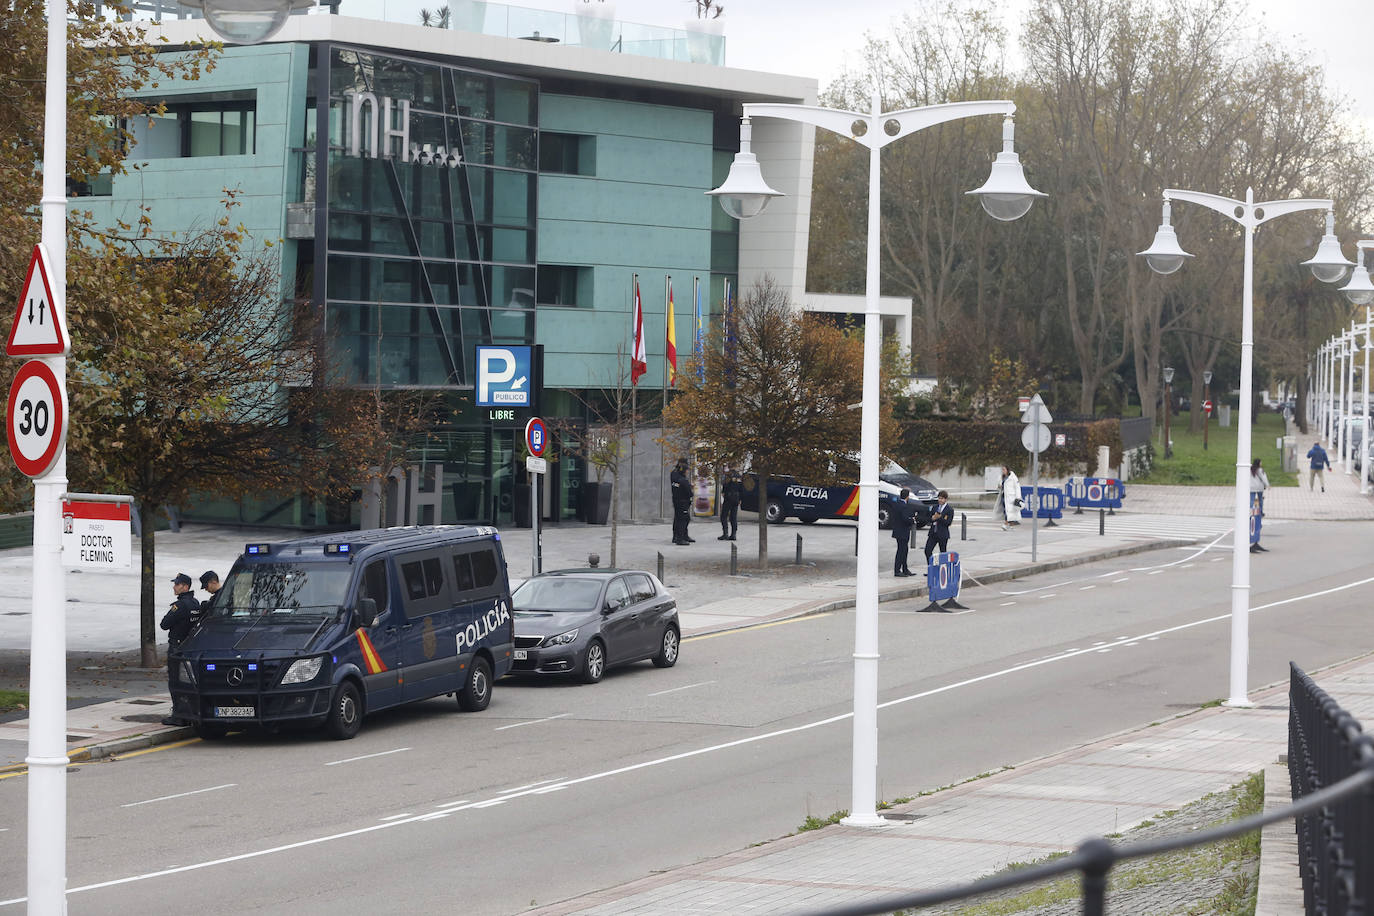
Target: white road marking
column 461, row 801
column 1084, row 588
column 1108, row 649
column 685, row 755
column 1154, row 572
column 1050, row 595
column 1217, row 559
column 1122, row 579
column 542, row 782
column 501, row 728
column 393, row 817
column 1007, row 603
column 676, row 689
column 1186, row 566
column 367, row 756
column 148, row 801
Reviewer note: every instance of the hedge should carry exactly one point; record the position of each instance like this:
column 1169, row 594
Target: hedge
column 971, row 445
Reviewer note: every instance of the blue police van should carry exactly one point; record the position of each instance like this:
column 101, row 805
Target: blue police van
column 320, row 631
column 790, row 498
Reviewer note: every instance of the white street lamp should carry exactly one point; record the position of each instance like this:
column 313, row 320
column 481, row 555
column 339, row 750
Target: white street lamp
column 1360, row 290
column 47, row 749
column 744, row 193
column 1329, row 264
column 1365, row 457
column 1348, row 459
column 1161, row 258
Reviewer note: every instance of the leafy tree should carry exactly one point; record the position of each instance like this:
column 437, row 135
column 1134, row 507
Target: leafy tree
column 777, row 396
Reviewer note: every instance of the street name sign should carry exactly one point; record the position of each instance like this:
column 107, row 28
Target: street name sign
column 36, row 418
column 37, row 328
column 95, row 535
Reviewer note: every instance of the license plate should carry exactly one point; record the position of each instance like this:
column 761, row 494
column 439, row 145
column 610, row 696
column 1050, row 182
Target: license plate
column 521, row 655
column 234, row 712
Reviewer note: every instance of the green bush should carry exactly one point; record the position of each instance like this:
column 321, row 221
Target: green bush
column 971, row 445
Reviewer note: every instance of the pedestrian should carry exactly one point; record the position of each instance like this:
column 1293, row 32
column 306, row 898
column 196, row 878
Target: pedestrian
column 731, row 490
column 903, row 516
column 1317, row 459
column 940, row 518
column 1259, row 482
column 1009, row 498
column 682, row 502
column 178, row 622
column 209, row 581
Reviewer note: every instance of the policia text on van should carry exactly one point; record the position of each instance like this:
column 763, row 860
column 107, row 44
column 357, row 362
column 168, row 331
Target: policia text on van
column 322, row 630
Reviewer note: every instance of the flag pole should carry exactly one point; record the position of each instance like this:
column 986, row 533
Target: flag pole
column 667, row 367
column 635, row 332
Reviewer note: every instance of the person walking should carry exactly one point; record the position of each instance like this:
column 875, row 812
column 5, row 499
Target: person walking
column 1259, row 482
column 940, row 518
column 179, row 620
column 682, row 502
column 731, row 491
column 903, row 517
column 1317, row 459
column 1009, row 498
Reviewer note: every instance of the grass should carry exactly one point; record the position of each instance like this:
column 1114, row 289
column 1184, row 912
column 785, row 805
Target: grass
column 1215, row 466
column 10, row 700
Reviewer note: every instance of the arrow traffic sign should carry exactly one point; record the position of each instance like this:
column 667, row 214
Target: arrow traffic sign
column 36, row 418
column 37, row 329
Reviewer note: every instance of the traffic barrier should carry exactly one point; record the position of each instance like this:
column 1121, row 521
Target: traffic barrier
column 943, row 576
column 1094, row 493
column 1045, row 502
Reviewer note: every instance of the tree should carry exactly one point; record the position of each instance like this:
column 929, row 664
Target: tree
column 777, row 395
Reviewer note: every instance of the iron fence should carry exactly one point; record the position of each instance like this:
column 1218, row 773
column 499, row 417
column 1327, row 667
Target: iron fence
column 1331, row 762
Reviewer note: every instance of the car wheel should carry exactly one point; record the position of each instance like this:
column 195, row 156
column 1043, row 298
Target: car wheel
column 345, row 712
column 208, row 731
column 594, row 662
column 773, row 512
column 668, row 648
column 884, row 517
column 476, row 692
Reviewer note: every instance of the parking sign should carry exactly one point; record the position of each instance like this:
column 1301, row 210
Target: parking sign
column 503, row 376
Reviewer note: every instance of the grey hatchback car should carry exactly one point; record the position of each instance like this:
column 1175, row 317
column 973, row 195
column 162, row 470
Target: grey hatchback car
column 584, row 621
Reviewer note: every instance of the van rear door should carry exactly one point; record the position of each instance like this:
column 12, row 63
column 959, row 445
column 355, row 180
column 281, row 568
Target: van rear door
column 429, row 657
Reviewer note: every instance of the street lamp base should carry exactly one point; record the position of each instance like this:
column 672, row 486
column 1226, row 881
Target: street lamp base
column 1239, row 703
column 866, row 820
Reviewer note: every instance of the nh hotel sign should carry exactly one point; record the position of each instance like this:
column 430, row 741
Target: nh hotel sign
column 382, row 140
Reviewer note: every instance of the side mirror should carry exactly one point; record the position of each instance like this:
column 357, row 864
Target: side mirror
column 366, row 611
column 607, row 608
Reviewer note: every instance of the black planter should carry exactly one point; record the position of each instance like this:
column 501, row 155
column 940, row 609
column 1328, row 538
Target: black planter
column 596, row 503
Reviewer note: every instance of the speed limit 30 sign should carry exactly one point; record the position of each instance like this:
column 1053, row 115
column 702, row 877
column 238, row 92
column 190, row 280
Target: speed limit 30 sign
column 35, row 418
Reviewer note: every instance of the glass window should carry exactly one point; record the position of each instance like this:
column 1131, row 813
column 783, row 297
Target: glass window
column 565, row 286
column 617, row 594
column 641, row 588
column 462, row 569
column 484, row 571
column 513, row 102
column 222, row 127
column 374, row 585
column 567, row 154
column 156, row 136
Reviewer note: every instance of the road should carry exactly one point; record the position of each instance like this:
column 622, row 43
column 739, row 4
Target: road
column 560, row 789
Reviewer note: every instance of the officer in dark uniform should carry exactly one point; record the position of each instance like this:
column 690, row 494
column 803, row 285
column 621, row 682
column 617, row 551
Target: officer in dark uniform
column 731, row 491
column 903, row 517
column 179, row 620
column 209, row 581
column 940, row 517
column 682, row 502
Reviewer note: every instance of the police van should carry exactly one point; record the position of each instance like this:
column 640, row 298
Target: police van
column 320, row 631
column 790, row 498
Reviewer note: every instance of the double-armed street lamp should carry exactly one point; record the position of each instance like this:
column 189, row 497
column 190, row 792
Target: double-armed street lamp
column 1328, row 265
column 1168, row 409
column 744, row 194
column 239, row 21
column 1207, row 406
column 1360, row 291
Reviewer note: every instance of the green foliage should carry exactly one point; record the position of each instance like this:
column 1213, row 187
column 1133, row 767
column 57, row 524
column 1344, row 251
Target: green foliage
column 1215, row 466
column 971, row 445
column 10, row 700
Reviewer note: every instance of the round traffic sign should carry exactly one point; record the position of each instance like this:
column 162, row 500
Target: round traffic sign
column 1207, row 407
column 1036, row 438
column 36, row 418
column 536, row 437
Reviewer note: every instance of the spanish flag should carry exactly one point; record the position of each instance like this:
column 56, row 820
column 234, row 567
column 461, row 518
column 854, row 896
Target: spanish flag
column 672, row 340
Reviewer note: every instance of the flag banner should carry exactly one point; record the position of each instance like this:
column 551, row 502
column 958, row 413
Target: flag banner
column 639, row 364
column 670, row 351
column 698, row 332
column 729, row 336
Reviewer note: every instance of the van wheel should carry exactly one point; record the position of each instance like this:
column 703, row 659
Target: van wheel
column 668, row 649
column 773, row 512
column 594, row 663
column 476, row 692
column 884, row 517
column 345, row 712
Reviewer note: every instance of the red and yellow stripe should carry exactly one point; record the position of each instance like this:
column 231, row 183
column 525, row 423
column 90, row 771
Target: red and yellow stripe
column 371, row 659
column 850, row 509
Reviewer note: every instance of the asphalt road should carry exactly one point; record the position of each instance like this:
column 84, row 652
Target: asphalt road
column 560, row 789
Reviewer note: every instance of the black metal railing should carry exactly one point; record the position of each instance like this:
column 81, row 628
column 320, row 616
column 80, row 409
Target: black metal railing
column 1332, row 765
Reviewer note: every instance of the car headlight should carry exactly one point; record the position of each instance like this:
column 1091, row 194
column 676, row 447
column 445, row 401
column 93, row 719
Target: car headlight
column 562, row 639
column 303, row 670
column 186, row 673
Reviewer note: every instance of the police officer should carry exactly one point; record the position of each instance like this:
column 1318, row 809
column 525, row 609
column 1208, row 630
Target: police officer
column 682, row 502
column 178, row 622
column 940, row 517
column 209, row 581
column 731, row 491
column 903, row 517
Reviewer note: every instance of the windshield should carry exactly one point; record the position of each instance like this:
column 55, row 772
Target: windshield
column 283, row 590
column 557, row 594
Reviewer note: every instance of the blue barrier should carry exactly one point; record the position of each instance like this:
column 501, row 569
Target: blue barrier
column 942, row 576
column 1047, row 503
column 1094, row 492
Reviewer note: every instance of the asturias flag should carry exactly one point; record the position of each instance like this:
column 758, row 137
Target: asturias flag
column 672, row 339
column 639, row 364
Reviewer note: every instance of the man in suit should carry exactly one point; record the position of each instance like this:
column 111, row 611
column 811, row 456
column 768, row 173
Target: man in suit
column 940, row 518
column 903, row 517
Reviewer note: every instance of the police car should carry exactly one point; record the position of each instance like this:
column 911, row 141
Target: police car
column 320, row 631
column 789, row 498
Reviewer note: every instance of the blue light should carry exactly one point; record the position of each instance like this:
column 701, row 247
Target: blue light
column 252, row 666
column 209, row 667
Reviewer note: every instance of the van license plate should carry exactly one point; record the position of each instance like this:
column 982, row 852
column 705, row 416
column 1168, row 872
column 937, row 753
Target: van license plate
column 521, row 655
column 234, row 712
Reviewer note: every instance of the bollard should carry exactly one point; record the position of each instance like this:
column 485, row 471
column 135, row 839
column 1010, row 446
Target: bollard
column 734, row 559
column 799, row 550
column 1101, row 522
column 963, row 526
column 660, row 566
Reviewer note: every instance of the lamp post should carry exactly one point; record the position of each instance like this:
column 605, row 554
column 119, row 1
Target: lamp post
column 1005, row 196
column 47, row 762
column 1348, row 465
column 1368, row 456
column 1165, row 256
column 1206, row 402
column 1168, row 409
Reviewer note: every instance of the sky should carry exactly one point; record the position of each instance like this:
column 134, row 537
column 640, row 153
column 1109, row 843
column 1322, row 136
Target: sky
column 821, row 38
